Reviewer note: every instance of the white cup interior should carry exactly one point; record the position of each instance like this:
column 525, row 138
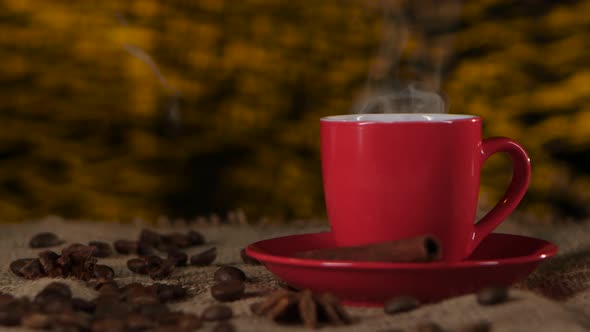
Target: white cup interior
column 398, row 117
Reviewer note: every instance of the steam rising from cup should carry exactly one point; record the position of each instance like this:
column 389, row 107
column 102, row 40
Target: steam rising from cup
column 416, row 44
column 172, row 107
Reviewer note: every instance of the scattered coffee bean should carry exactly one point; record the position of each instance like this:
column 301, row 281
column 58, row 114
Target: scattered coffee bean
column 492, row 295
column 228, row 290
column 137, row 265
column 227, row 273
column 71, row 321
column 153, row 309
column 140, row 295
column 12, row 312
column 195, row 238
column 217, row 312
column 18, row 264
column 103, row 272
column 163, row 271
column 103, row 249
column 247, row 259
column 144, row 249
column 44, row 240
column 400, row 304
column 224, row 327
column 79, row 304
column 153, row 262
column 204, row 258
column 32, row 270
column 109, row 306
column 125, row 247
column 429, row 327
column 108, row 325
column 52, row 303
column 149, row 237
column 48, row 260
column 108, row 288
column 36, row 321
column 5, row 299
column 137, row 322
column 167, row 293
column 178, row 257
column 481, row 326
column 183, row 321
column 59, row 288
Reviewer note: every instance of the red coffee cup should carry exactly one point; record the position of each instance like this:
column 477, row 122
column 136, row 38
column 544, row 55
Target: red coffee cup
column 393, row 176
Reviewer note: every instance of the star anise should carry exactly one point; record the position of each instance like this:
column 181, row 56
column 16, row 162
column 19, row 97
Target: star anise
column 286, row 306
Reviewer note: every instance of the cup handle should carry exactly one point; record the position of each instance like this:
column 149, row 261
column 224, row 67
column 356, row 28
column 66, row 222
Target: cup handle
column 521, row 176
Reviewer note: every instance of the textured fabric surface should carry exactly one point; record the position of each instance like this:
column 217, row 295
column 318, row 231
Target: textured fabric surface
column 554, row 298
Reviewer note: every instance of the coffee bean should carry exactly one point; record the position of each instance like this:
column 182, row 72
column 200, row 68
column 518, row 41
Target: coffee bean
column 36, row 321
column 102, row 250
column 32, row 270
column 10, row 317
column 149, row 237
column 137, row 322
column 204, row 258
column 137, row 265
column 181, row 320
column 481, row 326
column 111, row 307
column 153, row 309
column 103, row 272
column 139, row 295
column 153, row 262
column 224, row 327
column 168, row 293
column 492, row 295
column 125, row 247
column 247, row 259
column 79, row 304
column 44, row 240
column 48, row 260
column 227, row 273
column 108, row 288
column 12, row 312
column 400, row 304
column 429, row 327
column 195, row 238
column 5, row 299
column 71, row 321
column 163, row 271
column 144, row 249
column 178, row 257
column 55, row 305
column 177, row 240
column 59, row 288
column 108, row 325
column 217, row 312
column 228, row 290
column 18, row 264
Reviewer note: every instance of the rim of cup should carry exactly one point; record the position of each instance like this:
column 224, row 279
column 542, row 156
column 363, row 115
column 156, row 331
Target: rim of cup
column 400, row 117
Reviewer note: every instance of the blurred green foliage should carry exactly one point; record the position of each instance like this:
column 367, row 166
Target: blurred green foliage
column 89, row 131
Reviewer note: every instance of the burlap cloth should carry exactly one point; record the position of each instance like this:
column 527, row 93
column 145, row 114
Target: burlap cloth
column 555, row 298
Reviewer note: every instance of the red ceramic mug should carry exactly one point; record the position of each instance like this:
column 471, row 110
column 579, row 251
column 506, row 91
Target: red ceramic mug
column 392, row 176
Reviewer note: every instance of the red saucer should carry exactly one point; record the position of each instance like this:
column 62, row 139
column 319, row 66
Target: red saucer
column 500, row 259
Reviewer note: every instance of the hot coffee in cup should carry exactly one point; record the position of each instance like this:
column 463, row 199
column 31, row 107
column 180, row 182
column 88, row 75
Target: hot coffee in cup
column 394, row 176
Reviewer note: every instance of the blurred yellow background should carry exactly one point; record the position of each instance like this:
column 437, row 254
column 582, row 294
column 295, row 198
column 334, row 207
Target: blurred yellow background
column 88, row 130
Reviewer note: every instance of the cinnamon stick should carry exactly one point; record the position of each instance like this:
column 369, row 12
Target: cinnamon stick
column 423, row 248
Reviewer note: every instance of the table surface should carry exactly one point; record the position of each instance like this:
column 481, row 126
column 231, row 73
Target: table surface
column 554, row 298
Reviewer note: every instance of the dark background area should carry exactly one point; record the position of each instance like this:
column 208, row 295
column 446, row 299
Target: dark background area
column 89, row 130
